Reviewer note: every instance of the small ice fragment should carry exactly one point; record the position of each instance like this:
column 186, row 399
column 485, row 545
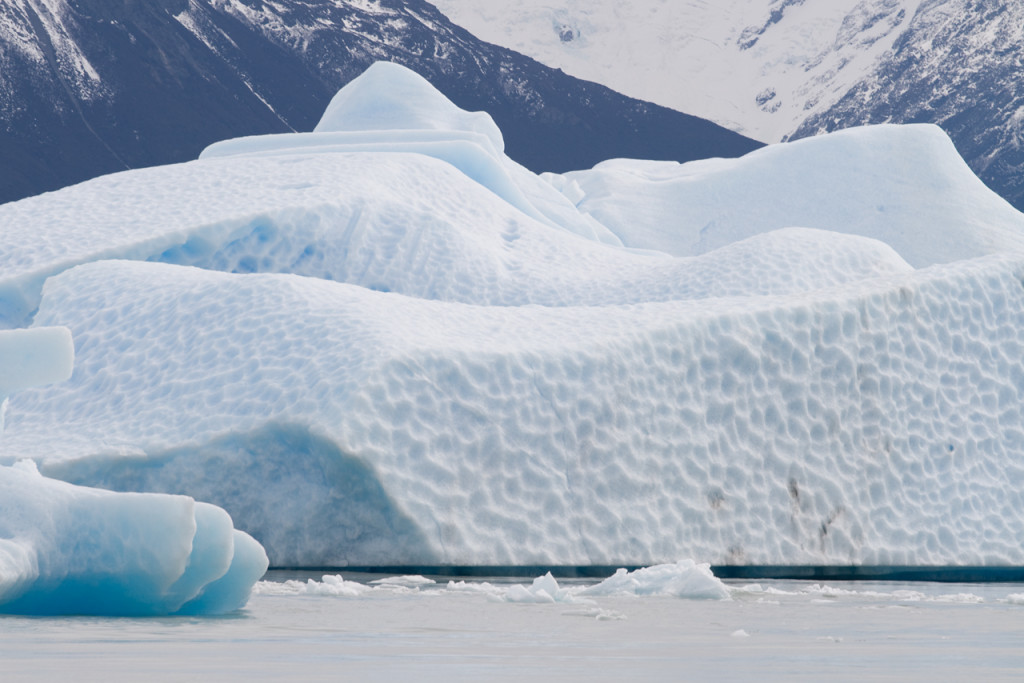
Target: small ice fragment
column 409, row 581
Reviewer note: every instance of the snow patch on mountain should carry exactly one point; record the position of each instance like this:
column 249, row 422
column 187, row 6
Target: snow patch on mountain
column 43, row 31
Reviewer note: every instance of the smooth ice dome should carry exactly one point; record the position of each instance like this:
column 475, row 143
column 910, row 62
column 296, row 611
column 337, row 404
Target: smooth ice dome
column 391, row 97
column 904, row 185
column 388, row 344
column 72, row 550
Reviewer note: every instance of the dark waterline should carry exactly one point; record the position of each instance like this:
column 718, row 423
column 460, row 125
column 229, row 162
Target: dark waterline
column 940, row 574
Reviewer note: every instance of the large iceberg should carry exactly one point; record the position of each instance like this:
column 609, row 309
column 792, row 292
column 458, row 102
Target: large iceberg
column 383, row 343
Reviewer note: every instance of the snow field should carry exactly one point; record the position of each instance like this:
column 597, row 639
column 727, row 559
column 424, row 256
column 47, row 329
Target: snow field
column 760, row 68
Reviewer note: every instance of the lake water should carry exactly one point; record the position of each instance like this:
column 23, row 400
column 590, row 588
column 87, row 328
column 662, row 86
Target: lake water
column 430, row 631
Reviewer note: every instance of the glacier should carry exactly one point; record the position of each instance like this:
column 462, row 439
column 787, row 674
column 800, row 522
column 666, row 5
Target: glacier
column 383, row 343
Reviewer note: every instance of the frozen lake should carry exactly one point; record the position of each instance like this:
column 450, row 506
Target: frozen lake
column 783, row 630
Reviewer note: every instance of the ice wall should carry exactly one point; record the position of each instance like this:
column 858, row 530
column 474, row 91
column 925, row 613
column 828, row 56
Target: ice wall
column 878, row 423
column 370, row 349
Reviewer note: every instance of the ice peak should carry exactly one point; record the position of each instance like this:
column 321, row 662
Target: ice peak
column 389, row 96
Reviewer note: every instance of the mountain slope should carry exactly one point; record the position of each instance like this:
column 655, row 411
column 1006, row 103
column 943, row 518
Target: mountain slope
column 94, row 86
column 755, row 66
column 958, row 64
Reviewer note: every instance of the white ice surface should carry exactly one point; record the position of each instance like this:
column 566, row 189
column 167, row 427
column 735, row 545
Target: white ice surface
column 72, row 550
column 872, row 424
column 515, row 393
column 904, row 185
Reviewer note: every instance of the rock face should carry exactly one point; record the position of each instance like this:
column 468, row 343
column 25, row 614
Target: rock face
column 93, row 86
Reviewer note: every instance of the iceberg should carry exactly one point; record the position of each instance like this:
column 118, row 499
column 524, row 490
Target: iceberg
column 72, row 550
column 370, row 353
column 67, row 549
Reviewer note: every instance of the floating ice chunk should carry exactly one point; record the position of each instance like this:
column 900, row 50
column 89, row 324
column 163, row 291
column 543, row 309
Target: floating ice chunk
column 330, row 584
column 684, row 579
column 598, row 613
column 407, row 581
column 791, row 396
column 71, row 550
column 481, row 587
column 544, row 589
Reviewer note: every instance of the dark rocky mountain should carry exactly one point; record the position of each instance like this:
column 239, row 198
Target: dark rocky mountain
column 89, row 87
column 958, row 64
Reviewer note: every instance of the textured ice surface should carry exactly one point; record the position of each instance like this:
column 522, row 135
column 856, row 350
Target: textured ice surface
column 71, row 550
column 872, row 424
column 904, row 185
column 377, row 356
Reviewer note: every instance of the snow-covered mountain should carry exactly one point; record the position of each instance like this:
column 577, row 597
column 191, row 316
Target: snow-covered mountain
column 782, row 69
column 385, row 343
column 757, row 66
column 93, row 86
